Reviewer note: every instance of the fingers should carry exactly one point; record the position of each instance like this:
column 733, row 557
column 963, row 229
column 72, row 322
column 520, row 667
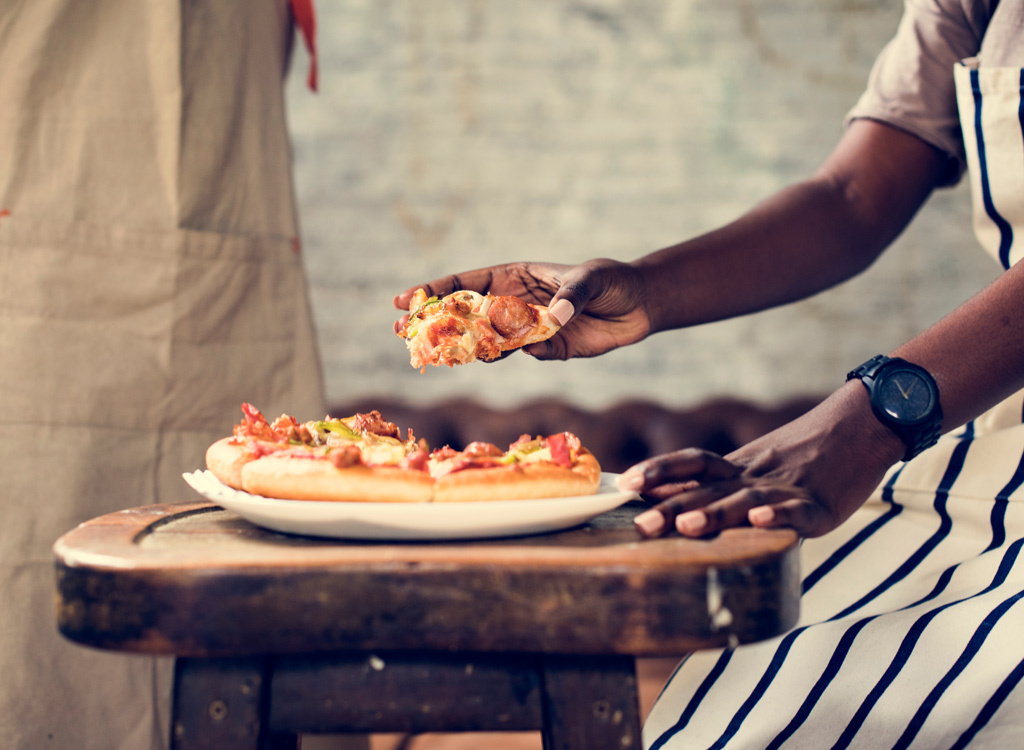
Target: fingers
column 710, row 508
column 478, row 280
column 689, row 464
column 674, row 481
column 808, row 518
column 695, row 512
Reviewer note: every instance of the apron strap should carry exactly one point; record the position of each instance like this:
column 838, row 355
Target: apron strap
column 305, row 19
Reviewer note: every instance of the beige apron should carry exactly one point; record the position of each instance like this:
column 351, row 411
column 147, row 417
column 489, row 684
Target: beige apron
column 150, row 281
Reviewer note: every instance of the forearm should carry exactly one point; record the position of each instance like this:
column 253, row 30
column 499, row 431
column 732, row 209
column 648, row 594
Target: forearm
column 976, row 353
column 799, row 242
column 802, row 240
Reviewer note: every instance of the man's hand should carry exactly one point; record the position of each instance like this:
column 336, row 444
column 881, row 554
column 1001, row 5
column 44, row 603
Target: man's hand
column 809, row 475
column 604, row 300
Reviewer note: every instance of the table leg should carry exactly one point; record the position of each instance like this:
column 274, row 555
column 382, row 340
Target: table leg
column 590, row 703
column 220, row 704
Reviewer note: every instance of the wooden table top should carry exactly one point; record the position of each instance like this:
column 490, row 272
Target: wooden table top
column 192, row 579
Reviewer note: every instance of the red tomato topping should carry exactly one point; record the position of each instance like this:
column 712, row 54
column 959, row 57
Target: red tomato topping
column 443, row 329
column 416, row 460
column 558, row 444
column 443, row 454
column 479, row 450
column 255, row 425
column 260, row 448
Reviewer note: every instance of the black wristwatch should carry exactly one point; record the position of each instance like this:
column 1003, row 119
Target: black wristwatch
column 905, row 399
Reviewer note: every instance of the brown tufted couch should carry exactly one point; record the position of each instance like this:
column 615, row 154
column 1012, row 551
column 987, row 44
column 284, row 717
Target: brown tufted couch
column 619, row 435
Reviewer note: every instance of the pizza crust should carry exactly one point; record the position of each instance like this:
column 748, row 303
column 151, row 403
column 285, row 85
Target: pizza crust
column 225, row 459
column 315, row 479
column 546, row 327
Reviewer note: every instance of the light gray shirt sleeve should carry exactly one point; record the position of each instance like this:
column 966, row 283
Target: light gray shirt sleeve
column 911, row 83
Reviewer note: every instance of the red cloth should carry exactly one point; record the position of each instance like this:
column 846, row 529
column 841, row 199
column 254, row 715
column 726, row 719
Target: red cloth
column 305, row 19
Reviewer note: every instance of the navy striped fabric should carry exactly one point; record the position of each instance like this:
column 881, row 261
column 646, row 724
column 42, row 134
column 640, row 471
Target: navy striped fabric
column 1005, row 230
column 927, row 612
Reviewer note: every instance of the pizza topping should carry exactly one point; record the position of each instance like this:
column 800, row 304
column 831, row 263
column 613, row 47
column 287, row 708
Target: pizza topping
column 343, row 456
column 527, row 448
column 259, row 448
column 366, row 439
column 476, row 455
column 331, row 432
column 444, row 330
column 382, row 451
column 255, row 425
column 462, row 304
column 461, row 462
column 562, row 449
column 417, row 459
column 482, row 450
column 419, row 305
column 373, row 423
column 558, row 445
column 511, row 317
column 442, row 454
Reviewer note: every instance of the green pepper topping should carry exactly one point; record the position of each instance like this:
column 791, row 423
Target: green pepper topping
column 430, row 301
column 336, row 428
column 530, row 447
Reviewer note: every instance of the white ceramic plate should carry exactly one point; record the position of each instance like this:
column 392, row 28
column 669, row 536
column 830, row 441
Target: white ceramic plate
column 412, row 520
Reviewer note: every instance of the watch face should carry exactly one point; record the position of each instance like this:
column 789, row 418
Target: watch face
column 905, row 395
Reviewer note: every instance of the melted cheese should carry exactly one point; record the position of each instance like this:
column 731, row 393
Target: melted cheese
column 378, row 450
column 544, row 454
column 455, row 350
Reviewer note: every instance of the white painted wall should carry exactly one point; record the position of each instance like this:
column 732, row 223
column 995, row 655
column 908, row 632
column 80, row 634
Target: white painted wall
column 453, row 134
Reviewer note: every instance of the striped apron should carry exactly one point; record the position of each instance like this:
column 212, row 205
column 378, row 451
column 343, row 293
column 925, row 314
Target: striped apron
column 912, row 625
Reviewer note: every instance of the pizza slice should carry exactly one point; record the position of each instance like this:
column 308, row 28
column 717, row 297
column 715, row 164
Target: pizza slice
column 349, row 459
column 465, row 326
column 554, row 466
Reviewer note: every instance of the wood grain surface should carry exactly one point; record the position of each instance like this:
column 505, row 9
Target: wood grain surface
column 191, row 579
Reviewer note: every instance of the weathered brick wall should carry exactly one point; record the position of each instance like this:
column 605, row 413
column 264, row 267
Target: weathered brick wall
column 456, row 134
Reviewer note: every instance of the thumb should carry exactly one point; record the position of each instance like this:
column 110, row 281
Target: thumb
column 574, row 294
column 562, row 310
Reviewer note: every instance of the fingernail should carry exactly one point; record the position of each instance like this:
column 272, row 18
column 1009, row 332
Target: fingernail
column 761, row 515
column 692, row 522
column 650, row 522
column 562, row 311
column 630, row 481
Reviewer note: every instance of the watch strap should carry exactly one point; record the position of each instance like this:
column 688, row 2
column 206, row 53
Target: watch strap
column 869, row 368
column 916, row 437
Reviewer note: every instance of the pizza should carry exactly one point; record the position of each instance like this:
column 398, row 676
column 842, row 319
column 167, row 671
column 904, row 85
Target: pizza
column 364, row 458
column 465, row 326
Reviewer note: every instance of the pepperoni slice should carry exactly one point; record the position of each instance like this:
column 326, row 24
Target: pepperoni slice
column 511, row 316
